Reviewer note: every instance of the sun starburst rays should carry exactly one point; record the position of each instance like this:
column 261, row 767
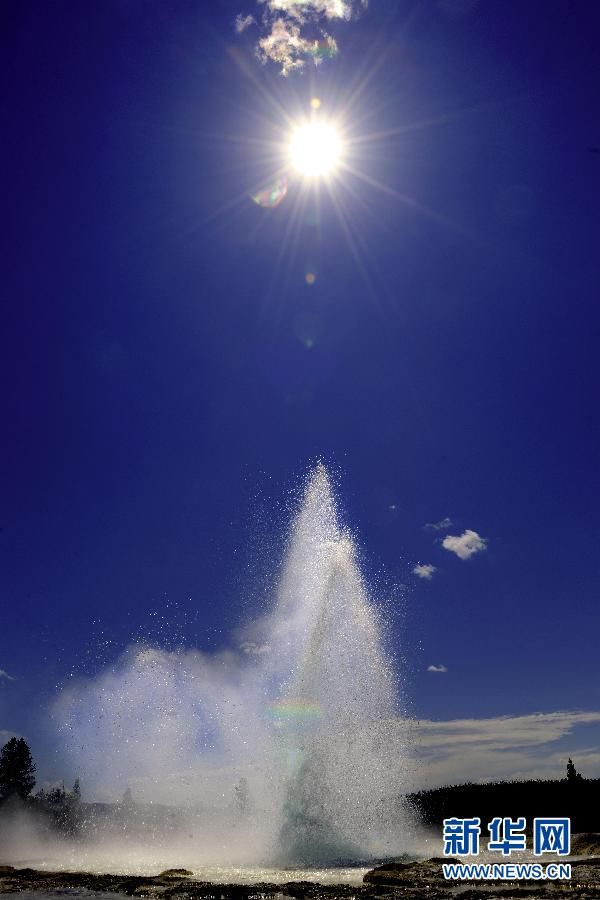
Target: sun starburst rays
column 322, row 159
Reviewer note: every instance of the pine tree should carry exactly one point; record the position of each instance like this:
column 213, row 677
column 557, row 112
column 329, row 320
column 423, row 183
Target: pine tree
column 57, row 796
column 572, row 773
column 76, row 792
column 17, row 769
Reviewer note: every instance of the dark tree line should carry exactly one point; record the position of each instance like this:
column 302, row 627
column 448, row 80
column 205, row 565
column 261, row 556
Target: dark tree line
column 574, row 797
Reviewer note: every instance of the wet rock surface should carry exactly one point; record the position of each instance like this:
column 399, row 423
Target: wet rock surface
column 425, row 879
column 397, row 881
column 175, row 873
column 586, row 843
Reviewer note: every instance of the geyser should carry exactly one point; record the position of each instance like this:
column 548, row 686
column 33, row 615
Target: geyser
column 289, row 751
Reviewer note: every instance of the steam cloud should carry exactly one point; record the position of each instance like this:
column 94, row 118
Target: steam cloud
column 287, row 745
column 293, row 31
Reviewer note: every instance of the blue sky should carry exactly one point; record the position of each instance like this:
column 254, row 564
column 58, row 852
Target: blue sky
column 169, row 376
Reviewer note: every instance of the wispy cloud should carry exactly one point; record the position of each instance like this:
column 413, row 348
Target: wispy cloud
column 439, row 669
column 507, row 747
column 243, row 22
column 439, row 526
column 464, row 545
column 504, row 732
column 6, row 676
column 283, row 26
column 424, row 570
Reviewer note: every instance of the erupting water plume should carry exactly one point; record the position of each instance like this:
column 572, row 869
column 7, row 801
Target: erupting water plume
column 289, row 752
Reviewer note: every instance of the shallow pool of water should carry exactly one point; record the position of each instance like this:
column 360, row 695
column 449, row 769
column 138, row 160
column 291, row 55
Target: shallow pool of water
column 216, row 874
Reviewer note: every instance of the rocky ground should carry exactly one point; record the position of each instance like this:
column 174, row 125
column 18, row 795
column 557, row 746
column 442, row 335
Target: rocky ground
column 396, row 881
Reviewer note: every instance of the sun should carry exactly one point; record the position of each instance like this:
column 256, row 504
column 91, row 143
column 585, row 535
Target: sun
column 315, row 149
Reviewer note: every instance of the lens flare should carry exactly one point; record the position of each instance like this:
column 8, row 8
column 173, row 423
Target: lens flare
column 272, row 194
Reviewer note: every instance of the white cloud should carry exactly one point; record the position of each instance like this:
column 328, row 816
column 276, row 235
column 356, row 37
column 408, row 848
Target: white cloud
column 5, row 675
column 440, row 668
column 439, row 526
column 283, row 40
column 285, row 46
column 465, row 545
column 506, row 747
column 424, row 570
